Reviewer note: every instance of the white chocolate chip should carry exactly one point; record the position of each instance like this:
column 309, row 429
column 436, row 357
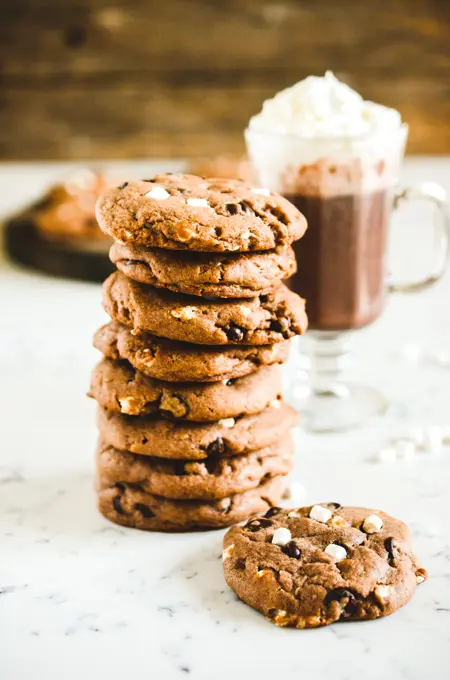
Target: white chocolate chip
column 338, row 521
column 420, row 577
column 382, row 592
column 228, row 552
column 158, row 193
column 320, row 514
column 372, row 524
column 281, row 536
column 185, row 313
column 276, row 403
column 294, row 514
column 227, row 422
column 262, row 572
column 244, row 310
column 337, row 552
column 126, row 405
column 128, row 234
column 198, row 202
column 260, row 191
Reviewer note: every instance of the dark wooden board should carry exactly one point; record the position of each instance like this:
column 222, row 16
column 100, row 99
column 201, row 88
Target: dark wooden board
column 101, row 78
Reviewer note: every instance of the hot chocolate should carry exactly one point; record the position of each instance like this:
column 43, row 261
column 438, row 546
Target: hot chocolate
column 336, row 157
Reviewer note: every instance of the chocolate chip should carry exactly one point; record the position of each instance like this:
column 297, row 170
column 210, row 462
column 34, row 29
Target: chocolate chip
column 389, row 545
column 231, row 208
column 246, row 208
column 339, row 594
column 257, row 524
column 117, row 505
column 211, row 465
column 234, row 333
column 291, row 550
column 281, row 325
column 122, row 186
column 240, row 563
column 272, row 511
column 336, row 506
column 178, row 468
column 216, row 448
column 231, row 381
column 144, row 510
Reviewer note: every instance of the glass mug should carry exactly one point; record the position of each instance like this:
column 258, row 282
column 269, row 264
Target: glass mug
column 347, row 189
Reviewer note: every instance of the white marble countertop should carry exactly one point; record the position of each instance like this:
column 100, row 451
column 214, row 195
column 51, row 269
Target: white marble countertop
column 82, row 598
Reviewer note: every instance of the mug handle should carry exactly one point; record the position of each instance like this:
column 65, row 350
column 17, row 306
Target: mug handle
column 437, row 196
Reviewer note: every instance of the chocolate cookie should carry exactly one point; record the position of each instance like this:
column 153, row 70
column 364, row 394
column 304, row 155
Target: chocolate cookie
column 133, row 507
column 181, row 362
column 208, row 275
column 259, row 321
column 120, row 388
column 313, row 566
column 163, row 438
column 202, row 480
column 187, row 212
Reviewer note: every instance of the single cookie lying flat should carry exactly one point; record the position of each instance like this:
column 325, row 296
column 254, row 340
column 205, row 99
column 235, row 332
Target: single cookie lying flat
column 209, row 479
column 133, row 507
column 120, row 388
column 210, row 275
column 259, row 321
column 313, row 566
column 187, row 212
column 163, row 438
column 182, row 362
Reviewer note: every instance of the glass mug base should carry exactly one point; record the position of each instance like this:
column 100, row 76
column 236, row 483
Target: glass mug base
column 344, row 406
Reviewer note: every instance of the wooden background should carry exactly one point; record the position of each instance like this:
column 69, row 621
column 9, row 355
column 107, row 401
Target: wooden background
column 89, row 79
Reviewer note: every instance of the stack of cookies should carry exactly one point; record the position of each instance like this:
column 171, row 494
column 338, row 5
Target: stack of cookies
column 193, row 429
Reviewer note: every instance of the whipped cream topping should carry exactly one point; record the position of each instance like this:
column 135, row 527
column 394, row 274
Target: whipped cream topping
column 323, row 107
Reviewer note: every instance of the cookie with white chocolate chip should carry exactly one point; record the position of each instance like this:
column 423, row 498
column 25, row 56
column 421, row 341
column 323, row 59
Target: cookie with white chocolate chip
column 185, row 212
column 163, row 438
column 211, row 275
column 182, row 362
column 264, row 320
column 208, row 479
column 120, row 388
column 312, row 566
column 131, row 506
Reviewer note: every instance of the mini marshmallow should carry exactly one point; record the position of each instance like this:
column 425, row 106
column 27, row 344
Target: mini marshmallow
column 198, row 202
column 294, row 514
column 415, row 434
column 275, row 403
column 228, row 552
column 159, row 193
column 320, row 514
column 372, row 524
column 432, row 439
column 337, row 552
column 260, row 191
column 227, row 422
column 298, row 493
column 405, row 449
column 281, row 536
column 387, row 455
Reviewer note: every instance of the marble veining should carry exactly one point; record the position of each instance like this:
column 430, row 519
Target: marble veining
column 82, row 598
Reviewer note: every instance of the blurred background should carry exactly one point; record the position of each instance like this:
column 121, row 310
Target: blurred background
column 98, row 79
